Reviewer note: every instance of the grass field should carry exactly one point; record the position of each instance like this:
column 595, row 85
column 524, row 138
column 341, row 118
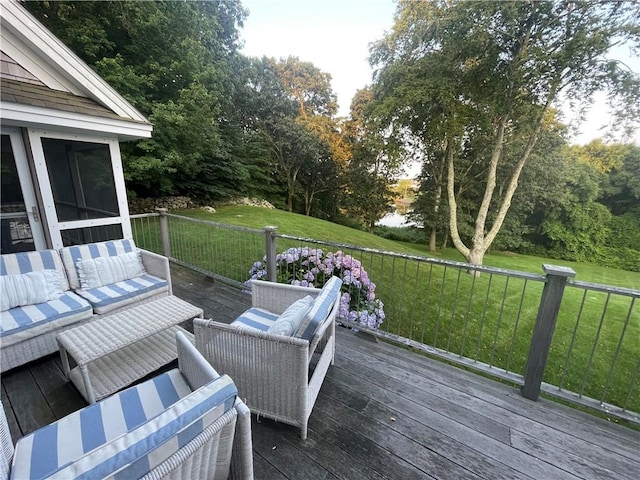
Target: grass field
column 489, row 318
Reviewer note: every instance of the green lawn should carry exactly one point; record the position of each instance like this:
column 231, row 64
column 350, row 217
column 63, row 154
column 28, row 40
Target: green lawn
column 489, row 318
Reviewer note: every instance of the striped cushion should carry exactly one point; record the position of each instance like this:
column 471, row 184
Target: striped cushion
column 25, row 262
column 108, row 298
column 126, row 434
column 256, row 319
column 71, row 255
column 320, row 309
column 21, row 323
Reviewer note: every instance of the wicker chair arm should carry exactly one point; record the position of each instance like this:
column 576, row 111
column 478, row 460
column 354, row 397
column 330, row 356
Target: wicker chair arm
column 242, row 458
column 156, row 265
column 192, row 364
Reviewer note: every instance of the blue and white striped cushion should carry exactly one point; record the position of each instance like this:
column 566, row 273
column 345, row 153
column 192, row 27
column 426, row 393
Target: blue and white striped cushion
column 126, row 434
column 25, row 262
column 71, row 255
column 21, row 323
column 107, row 298
column 320, row 309
column 44, row 451
column 256, row 319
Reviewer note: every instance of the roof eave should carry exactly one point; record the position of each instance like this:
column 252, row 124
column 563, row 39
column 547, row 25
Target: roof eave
column 29, row 116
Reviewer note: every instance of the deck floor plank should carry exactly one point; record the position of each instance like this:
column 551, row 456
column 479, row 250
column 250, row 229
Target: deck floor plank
column 383, row 412
column 432, row 440
column 544, row 416
column 461, row 406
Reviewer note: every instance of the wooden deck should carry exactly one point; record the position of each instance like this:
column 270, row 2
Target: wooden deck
column 384, row 412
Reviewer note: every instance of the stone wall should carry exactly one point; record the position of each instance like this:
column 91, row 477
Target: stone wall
column 149, row 205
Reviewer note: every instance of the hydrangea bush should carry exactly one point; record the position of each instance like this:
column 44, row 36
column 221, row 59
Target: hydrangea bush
column 311, row 267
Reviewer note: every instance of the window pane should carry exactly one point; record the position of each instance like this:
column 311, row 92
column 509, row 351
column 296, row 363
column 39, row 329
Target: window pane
column 81, row 179
column 79, row 236
column 10, row 192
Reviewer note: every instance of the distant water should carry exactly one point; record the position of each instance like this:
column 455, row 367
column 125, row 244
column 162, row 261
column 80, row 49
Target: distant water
column 394, row 220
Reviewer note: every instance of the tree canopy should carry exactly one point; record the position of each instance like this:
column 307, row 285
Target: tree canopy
column 474, row 82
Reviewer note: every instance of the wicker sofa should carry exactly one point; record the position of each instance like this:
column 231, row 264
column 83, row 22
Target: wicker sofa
column 185, row 423
column 278, row 376
column 29, row 325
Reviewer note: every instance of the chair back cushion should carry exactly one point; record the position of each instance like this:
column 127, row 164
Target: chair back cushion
column 25, row 262
column 127, row 435
column 74, row 255
column 320, row 310
column 289, row 321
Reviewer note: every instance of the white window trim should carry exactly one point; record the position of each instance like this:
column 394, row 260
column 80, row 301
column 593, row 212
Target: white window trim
column 55, row 227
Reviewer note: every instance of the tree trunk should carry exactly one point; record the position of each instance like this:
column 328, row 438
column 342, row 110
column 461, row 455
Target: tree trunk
column 436, row 208
column 432, row 239
column 453, row 204
column 291, row 188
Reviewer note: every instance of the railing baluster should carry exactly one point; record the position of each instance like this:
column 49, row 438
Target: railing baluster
column 565, row 368
column 595, row 344
column 426, row 302
column 440, row 303
column 484, row 316
column 453, row 310
column 499, row 322
column 515, row 327
column 615, row 355
column 468, row 314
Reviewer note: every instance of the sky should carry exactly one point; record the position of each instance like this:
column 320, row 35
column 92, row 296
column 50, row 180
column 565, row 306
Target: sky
column 335, row 35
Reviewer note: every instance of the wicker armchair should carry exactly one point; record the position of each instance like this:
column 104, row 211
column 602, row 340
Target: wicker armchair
column 278, row 377
column 183, row 424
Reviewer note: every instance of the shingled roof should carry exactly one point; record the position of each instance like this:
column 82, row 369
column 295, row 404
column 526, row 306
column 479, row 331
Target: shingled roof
column 42, row 96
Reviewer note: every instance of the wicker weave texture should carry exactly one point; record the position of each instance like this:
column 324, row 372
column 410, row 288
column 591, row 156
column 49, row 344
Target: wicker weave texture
column 119, row 349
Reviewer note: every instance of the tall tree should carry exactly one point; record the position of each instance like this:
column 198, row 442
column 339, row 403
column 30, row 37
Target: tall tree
column 175, row 62
column 375, row 163
column 489, row 72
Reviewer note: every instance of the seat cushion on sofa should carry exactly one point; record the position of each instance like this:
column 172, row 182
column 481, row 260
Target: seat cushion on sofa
column 93, row 426
column 21, row 323
column 127, row 434
column 256, row 319
column 320, row 310
column 110, row 297
column 71, row 255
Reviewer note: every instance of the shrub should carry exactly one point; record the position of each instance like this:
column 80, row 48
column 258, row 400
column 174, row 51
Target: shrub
column 310, row 267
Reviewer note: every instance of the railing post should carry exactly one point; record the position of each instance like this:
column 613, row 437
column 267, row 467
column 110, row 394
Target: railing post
column 164, row 232
column 545, row 325
column 270, row 237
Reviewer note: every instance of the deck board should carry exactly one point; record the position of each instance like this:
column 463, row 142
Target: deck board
column 383, row 412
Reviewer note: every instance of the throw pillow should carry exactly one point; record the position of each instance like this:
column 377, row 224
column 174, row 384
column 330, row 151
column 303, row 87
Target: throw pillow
column 101, row 271
column 288, row 322
column 29, row 288
column 320, row 309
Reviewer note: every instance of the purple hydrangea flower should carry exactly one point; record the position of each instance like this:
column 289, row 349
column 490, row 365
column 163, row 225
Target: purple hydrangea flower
column 307, row 266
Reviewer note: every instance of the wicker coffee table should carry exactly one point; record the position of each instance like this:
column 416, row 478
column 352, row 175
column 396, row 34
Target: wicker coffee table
column 115, row 351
